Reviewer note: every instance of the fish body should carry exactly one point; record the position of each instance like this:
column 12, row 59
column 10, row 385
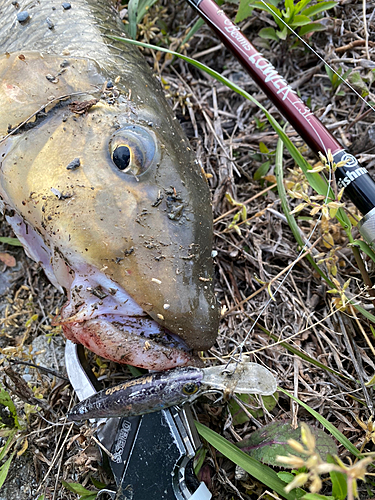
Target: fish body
column 100, row 185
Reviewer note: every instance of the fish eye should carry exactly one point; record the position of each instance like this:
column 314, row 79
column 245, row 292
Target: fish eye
column 122, row 156
column 190, row 388
column 133, row 149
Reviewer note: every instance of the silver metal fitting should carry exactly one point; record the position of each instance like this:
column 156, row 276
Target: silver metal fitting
column 366, row 227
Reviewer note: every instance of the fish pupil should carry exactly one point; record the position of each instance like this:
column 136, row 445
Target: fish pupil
column 121, row 157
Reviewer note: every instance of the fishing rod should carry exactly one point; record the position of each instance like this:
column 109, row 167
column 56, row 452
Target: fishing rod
column 354, row 178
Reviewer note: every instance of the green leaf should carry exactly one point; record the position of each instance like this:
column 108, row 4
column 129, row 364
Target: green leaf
column 239, row 416
column 4, row 469
column 339, row 484
column 271, row 441
column 245, row 10
column 78, row 489
column 97, row 483
column 261, row 472
column 6, row 447
column 283, row 33
column 310, row 28
column 268, row 34
column 132, row 17
column 271, row 9
column 363, row 311
column 263, row 148
column 143, row 7
column 6, row 400
column 317, row 8
column 289, row 7
column 302, row 355
column 262, row 170
column 285, row 476
column 356, row 80
column 192, row 31
column 330, row 428
column 316, row 496
column 301, row 5
column 365, row 248
column 300, row 20
column 10, row 241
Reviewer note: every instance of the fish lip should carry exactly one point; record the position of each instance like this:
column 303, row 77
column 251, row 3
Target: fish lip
column 123, row 344
column 102, row 316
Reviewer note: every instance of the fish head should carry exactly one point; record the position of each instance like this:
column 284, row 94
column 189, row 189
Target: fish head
column 115, row 207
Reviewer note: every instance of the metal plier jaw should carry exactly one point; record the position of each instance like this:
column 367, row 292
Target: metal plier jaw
column 151, row 456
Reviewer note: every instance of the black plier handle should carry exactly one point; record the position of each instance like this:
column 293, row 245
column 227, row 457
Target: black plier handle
column 151, row 456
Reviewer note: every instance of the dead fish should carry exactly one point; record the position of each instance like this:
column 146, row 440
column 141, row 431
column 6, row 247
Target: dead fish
column 127, row 232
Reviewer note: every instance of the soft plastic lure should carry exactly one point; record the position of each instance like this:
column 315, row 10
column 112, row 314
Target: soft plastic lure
column 159, row 390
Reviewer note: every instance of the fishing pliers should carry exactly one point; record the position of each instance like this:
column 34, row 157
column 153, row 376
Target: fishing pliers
column 150, row 456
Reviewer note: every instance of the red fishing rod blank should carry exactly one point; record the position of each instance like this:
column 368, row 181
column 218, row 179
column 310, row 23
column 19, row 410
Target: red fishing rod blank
column 354, row 178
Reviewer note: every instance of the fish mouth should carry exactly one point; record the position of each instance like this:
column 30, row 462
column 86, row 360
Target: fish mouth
column 104, row 318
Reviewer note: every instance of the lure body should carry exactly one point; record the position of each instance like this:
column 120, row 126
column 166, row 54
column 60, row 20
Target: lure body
column 156, row 391
column 141, row 395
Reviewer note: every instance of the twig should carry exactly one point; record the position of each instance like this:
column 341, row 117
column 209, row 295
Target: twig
column 365, row 28
column 41, row 368
column 267, row 285
column 349, row 347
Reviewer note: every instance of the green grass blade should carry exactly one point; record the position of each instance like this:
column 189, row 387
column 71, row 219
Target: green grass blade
column 192, row 31
column 262, row 473
column 5, row 448
column 365, row 248
column 4, row 469
column 318, row 8
column 10, row 241
column 143, row 7
column 133, row 17
column 363, row 311
column 304, row 356
column 286, row 209
column 330, row 428
column 338, row 479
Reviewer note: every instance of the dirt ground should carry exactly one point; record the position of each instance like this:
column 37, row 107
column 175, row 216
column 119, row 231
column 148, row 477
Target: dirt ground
column 232, row 140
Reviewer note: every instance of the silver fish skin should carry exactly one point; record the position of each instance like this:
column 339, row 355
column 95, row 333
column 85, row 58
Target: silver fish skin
column 102, row 188
column 146, row 394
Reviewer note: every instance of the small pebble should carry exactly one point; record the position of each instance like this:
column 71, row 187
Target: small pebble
column 74, row 164
column 52, row 78
column 22, row 16
column 66, row 5
column 50, row 23
column 109, row 84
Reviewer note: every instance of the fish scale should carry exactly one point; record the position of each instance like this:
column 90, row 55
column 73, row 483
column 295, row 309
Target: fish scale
column 124, row 241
